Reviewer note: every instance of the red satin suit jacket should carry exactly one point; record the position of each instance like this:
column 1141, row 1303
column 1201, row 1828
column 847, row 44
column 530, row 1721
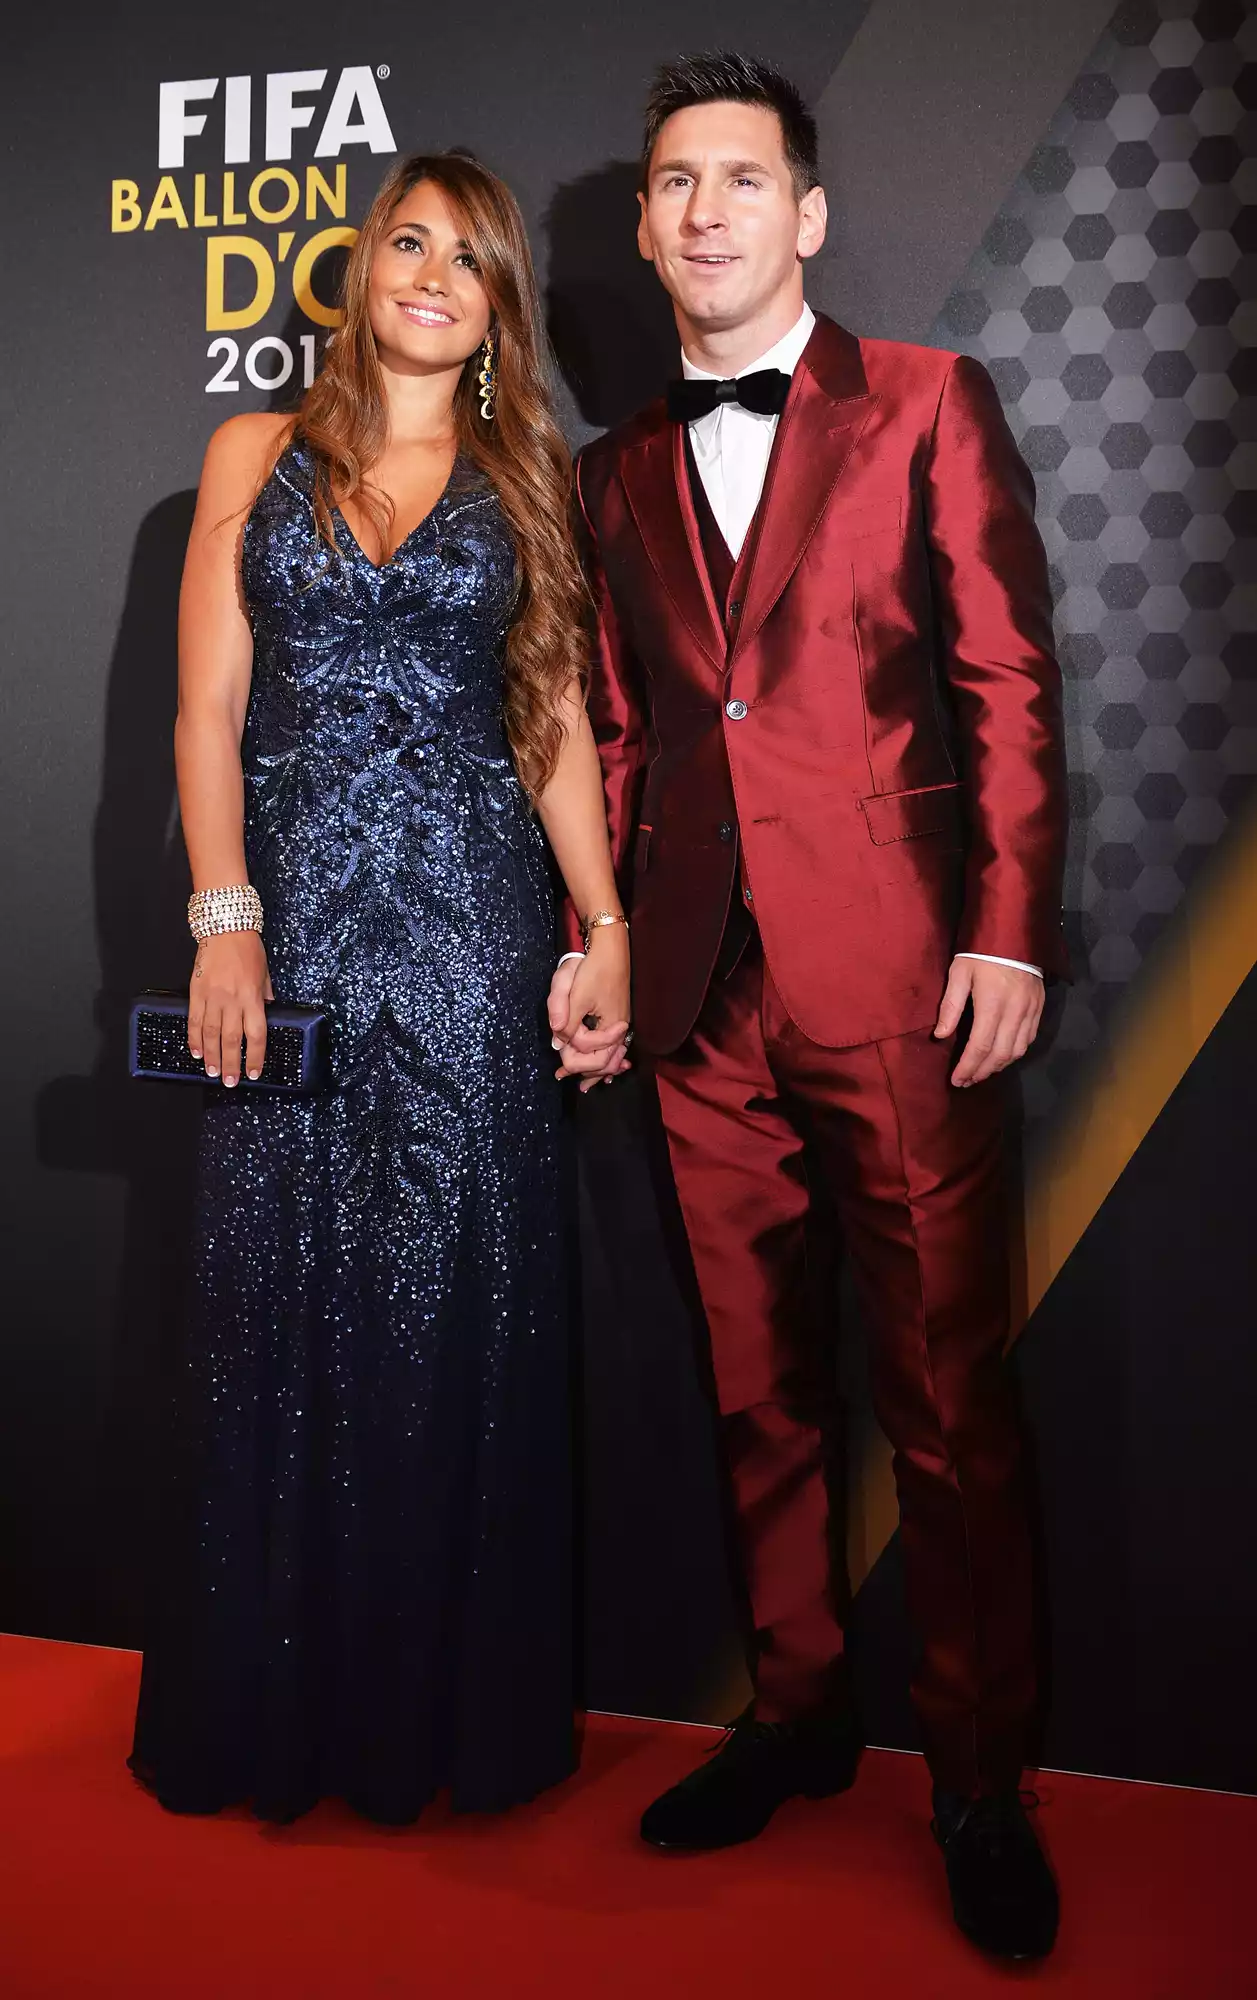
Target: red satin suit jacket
column 879, row 725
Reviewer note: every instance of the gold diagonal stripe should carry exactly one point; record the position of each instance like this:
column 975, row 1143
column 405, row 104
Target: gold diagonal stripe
column 1168, row 1017
column 1211, row 949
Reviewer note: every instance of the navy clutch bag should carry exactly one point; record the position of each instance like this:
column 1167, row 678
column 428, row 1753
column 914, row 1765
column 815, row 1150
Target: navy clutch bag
column 296, row 1046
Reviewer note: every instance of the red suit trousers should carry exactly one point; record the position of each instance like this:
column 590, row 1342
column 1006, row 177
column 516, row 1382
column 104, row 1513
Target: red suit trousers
column 754, row 1112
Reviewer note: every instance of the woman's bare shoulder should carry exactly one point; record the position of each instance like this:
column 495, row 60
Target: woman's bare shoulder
column 241, row 455
column 248, row 442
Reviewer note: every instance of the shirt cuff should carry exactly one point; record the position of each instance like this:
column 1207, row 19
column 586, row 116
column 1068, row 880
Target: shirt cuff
column 570, row 954
column 1017, row 964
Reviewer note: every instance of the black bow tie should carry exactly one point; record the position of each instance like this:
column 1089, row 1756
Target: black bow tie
column 764, row 392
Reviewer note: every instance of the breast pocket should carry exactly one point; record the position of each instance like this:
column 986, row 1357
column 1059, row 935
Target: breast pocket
column 855, row 519
column 859, row 537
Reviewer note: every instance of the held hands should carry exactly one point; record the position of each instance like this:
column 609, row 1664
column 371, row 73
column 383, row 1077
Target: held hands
column 227, row 993
column 1007, row 1007
column 597, row 984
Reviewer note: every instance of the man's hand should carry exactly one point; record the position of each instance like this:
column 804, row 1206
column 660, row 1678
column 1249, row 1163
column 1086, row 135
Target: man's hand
column 1007, row 1008
column 594, row 1054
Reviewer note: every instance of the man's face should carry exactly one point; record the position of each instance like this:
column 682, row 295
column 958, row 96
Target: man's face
column 720, row 219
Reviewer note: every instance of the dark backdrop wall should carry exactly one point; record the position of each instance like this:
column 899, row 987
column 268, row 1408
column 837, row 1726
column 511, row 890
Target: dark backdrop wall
column 1068, row 194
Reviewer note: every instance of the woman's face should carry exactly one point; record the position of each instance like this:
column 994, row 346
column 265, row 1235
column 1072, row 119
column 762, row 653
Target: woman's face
column 428, row 307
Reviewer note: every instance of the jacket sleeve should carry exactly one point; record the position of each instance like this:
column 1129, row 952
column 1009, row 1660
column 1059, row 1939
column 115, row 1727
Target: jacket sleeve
column 617, row 715
column 991, row 588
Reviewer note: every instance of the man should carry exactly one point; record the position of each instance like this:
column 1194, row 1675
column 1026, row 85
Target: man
column 828, row 714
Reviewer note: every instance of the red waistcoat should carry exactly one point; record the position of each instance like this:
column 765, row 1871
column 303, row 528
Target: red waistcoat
column 879, row 717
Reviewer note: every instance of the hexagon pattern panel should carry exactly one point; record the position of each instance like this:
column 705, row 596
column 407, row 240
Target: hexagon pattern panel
column 1113, row 302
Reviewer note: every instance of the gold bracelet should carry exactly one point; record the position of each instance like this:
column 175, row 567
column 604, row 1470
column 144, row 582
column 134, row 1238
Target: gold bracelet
column 599, row 920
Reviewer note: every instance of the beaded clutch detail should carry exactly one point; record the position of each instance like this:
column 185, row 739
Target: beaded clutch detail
column 296, row 1046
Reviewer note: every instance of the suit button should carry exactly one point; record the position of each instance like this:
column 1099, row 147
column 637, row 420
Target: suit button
column 725, row 830
column 735, row 710
column 735, row 605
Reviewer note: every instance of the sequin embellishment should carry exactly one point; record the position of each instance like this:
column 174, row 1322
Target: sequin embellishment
column 370, row 1597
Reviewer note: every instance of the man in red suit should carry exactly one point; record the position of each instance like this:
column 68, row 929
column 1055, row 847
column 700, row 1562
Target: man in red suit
column 829, row 719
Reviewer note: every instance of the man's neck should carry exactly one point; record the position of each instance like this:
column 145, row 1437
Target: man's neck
column 727, row 350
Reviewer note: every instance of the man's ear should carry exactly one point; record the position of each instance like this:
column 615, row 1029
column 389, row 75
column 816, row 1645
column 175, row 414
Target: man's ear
column 813, row 221
column 644, row 244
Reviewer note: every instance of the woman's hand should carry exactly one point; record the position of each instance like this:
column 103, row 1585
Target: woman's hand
column 226, row 1005
column 593, row 987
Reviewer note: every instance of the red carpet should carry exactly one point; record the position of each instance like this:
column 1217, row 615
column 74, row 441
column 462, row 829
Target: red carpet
column 101, row 1893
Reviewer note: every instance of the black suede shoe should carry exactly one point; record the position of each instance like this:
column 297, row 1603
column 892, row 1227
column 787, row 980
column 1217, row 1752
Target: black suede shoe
column 749, row 1774
column 1003, row 1896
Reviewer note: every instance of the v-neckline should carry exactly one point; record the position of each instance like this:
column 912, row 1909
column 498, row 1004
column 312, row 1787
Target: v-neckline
column 406, row 540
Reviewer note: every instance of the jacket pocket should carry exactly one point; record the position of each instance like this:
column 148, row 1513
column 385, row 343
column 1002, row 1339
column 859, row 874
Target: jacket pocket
column 908, row 815
column 868, row 517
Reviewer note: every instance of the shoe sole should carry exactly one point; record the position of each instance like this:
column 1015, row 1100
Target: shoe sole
column 1031, row 1954
column 741, row 1840
column 998, row 1957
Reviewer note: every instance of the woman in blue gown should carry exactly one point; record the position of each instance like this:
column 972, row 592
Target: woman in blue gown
column 381, row 639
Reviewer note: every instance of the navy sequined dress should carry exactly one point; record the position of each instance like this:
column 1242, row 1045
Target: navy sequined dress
column 367, row 1595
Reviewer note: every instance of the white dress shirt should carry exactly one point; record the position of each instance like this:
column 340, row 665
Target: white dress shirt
column 731, row 450
column 732, row 445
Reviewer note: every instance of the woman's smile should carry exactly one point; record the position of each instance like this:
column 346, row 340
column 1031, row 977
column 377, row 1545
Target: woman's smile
column 425, row 315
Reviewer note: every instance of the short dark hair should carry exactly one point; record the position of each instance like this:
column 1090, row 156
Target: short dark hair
column 723, row 77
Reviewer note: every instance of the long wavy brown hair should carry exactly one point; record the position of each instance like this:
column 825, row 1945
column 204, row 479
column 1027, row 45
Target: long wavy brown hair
column 343, row 419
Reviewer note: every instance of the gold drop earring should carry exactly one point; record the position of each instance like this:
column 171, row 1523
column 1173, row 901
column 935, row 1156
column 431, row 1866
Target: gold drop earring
column 488, row 380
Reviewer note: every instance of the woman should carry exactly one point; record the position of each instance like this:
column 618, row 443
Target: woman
column 381, row 637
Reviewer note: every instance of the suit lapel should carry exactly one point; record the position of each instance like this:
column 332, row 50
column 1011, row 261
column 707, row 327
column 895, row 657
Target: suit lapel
column 658, row 489
column 828, row 407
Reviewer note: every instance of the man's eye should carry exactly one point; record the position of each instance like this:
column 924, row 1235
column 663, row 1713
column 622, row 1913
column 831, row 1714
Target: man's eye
column 676, row 180
column 746, row 181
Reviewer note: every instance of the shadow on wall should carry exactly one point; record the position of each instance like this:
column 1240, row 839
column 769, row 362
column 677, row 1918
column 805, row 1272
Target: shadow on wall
column 660, row 1611
column 143, row 1134
column 609, row 318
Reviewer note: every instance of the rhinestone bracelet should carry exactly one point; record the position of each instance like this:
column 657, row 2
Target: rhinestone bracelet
column 211, row 912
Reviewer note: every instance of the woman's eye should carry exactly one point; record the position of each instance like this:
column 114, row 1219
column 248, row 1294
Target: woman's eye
column 407, row 243
column 465, row 257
